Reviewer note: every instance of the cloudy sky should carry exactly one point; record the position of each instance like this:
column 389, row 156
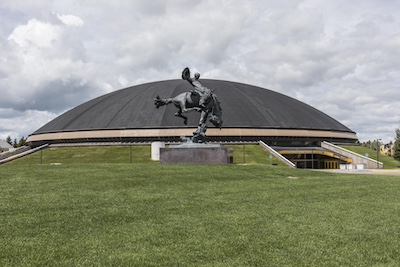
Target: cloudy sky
column 340, row 56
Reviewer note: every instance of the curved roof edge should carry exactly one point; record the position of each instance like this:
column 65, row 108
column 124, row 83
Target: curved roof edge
column 211, row 132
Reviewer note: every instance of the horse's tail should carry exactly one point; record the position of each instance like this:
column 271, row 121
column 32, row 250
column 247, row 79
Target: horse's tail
column 216, row 101
column 161, row 102
column 216, row 116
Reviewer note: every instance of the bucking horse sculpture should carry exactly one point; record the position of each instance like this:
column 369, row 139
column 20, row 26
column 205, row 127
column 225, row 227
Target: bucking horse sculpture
column 200, row 99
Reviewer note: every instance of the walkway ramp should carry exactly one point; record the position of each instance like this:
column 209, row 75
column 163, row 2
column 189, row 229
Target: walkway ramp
column 276, row 154
column 20, row 153
column 327, row 156
column 357, row 158
column 313, row 151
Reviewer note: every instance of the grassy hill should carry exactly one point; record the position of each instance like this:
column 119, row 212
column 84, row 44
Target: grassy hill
column 149, row 214
column 388, row 162
column 249, row 154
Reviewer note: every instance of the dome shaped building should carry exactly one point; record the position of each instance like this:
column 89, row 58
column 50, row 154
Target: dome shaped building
column 249, row 114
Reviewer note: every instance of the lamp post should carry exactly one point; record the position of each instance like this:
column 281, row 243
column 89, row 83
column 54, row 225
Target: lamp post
column 377, row 152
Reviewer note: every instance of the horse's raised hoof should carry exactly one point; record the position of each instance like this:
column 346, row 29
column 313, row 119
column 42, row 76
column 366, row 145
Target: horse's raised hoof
column 157, row 101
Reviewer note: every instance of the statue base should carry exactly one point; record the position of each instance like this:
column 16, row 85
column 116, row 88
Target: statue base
column 193, row 153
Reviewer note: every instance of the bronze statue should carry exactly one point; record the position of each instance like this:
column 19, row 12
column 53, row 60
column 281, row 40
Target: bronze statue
column 199, row 88
column 199, row 99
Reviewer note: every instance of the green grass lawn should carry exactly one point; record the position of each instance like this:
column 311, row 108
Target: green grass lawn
column 148, row 214
column 88, row 154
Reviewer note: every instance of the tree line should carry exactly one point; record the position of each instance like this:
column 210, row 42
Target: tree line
column 395, row 147
column 16, row 143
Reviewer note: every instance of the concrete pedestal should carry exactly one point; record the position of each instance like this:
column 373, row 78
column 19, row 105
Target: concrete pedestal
column 196, row 154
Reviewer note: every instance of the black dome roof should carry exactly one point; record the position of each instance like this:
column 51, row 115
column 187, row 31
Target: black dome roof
column 243, row 106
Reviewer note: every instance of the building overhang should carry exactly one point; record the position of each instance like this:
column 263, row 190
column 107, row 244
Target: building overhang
column 174, row 132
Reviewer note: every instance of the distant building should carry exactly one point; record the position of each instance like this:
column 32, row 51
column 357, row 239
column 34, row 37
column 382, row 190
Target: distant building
column 387, row 150
column 4, row 146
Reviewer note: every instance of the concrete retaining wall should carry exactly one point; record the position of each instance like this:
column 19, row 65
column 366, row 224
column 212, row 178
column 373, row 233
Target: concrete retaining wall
column 357, row 158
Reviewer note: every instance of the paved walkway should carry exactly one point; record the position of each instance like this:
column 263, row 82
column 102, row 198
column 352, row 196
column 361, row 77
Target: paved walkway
column 387, row 172
column 369, row 171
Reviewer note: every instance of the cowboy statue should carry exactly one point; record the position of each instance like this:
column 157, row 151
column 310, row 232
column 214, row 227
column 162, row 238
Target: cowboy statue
column 199, row 88
column 199, row 99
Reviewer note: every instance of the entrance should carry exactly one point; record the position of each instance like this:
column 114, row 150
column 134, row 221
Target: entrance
column 331, row 164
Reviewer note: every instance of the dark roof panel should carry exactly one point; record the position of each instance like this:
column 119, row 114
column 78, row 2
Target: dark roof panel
column 242, row 106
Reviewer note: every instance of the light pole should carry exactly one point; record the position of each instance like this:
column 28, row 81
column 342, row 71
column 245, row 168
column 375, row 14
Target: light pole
column 377, row 152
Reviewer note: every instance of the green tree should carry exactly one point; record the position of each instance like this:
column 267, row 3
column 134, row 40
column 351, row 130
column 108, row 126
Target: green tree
column 21, row 142
column 8, row 140
column 396, row 147
column 15, row 143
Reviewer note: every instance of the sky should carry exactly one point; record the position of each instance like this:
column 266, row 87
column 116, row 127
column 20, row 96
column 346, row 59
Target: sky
column 341, row 57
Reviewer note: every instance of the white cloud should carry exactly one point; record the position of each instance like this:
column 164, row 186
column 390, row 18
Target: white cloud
column 36, row 34
column 48, row 60
column 19, row 124
column 71, row 20
column 341, row 57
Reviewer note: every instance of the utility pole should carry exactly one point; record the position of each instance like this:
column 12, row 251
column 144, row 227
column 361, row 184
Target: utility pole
column 378, row 148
